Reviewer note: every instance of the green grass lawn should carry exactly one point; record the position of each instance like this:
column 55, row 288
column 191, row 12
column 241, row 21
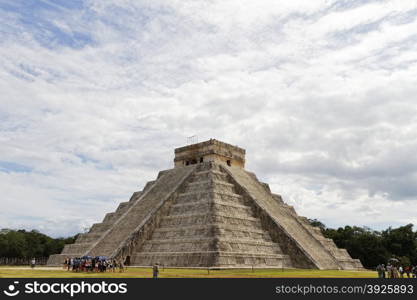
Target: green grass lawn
column 42, row 272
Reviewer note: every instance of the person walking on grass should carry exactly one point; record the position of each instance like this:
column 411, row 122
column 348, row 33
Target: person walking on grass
column 401, row 271
column 155, row 270
column 395, row 272
column 389, row 270
column 32, row 263
column 381, row 270
column 114, row 265
column 121, row 266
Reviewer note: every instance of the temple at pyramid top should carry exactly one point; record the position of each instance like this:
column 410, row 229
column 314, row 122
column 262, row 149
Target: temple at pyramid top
column 211, row 150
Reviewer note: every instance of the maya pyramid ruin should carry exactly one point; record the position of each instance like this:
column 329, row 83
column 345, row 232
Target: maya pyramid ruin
column 208, row 211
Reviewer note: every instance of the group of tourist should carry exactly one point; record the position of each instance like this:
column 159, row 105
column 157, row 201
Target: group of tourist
column 394, row 271
column 93, row 264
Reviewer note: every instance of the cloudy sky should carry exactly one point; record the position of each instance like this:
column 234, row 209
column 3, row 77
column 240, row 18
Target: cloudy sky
column 96, row 94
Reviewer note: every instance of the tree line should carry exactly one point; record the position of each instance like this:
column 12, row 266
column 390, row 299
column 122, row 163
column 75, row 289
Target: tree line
column 370, row 246
column 375, row 247
column 24, row 244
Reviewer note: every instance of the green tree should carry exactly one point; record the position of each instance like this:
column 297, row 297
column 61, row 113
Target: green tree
column 401, row 241
column 374, row 247
column 22, row 243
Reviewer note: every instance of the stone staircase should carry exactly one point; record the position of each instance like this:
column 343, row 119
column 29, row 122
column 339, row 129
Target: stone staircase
column 86, row 240
column 341, row 255
column 322, row 251
column 308, row 240
column 135, row 214
column 209, row 225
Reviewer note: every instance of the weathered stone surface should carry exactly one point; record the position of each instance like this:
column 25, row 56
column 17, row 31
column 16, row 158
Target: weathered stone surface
column 209, row 212
column 298, row 236
column 211, row 150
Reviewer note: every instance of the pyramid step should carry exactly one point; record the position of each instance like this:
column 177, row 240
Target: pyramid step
column 210, row 201
column 351, row 264
column 100, row 227
column 210, row 185
column 107, row 248
column 87, row 237
column 259, row 259
column 206, row 226
column 278, row 198
column 209, row 174
column 59, row 259
column 340, row 253
column 209, row 218
column 316, row 230
column 123, row 206
column 206, row 219
column 343, row 252
column 75, row 248
column 206, row 206
column 111, row 217
column 212, row 239
column 213, row 215
column 241, row 233
column 303, row 220
column 210, row 171
column 210, row 182
column 81, row 237
column 205, row 259
column 135, row 196
column 148, row 185
column 210, row 244
column 208, row 195
column 143, row 253
column 210, row 230
column 178, row 246
column 208, row 240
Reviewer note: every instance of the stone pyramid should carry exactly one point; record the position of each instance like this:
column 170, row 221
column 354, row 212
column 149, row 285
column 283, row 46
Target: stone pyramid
column 208, row 211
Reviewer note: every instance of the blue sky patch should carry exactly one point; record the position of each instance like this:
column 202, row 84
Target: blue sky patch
column 38, row 17
column 11, row 167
